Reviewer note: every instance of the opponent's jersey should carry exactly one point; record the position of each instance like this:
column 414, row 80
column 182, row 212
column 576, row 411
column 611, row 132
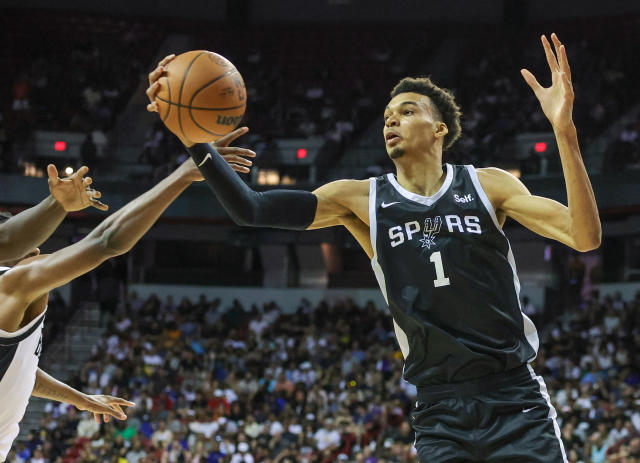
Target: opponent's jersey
column 19, row 355
column 447, row 272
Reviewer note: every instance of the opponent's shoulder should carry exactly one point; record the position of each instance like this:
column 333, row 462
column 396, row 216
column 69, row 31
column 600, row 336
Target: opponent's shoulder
column 12, row 280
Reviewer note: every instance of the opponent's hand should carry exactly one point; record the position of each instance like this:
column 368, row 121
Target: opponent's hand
column 235, row 156
column 104, row 406
column 557, row 100
column 74, row 193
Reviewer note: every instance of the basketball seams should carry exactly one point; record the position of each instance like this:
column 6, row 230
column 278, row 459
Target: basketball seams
column 187, row 75
column 198, row 108
column 184, row 79
column 211, row 82
column 197, row 92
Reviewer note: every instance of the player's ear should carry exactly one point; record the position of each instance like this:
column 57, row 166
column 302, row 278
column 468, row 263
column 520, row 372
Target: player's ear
column 441, row 130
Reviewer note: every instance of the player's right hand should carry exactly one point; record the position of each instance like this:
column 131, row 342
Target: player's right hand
column 104, row 406
column 154, row 85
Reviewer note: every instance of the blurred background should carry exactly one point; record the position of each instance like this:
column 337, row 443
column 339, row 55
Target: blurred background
column 243, row 345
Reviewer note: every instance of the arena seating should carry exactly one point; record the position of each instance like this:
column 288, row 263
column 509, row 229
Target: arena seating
column 321, row 385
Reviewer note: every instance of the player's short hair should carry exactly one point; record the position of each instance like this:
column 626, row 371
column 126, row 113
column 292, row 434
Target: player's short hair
column 4, row 216
column 442, row 101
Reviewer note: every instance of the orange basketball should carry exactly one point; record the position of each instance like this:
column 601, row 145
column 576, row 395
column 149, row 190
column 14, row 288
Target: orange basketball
column 202, row 97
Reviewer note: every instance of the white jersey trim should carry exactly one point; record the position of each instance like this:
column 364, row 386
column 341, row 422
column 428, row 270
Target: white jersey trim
column 24, row 329
column 552, row 411
column 401, row 336
column 426, row 200
column 530, row 331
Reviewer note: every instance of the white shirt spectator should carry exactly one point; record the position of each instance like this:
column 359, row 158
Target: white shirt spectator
column 162, row 436
column 326, row 438
column 87, row 426
column 276, row 428
column 208, row 429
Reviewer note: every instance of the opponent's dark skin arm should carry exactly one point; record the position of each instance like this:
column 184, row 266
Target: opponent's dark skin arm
column 30, row 228
column 105, row 406
column 114, row 236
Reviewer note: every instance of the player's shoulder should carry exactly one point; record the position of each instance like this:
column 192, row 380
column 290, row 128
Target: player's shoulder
column 344, row 187
column 496, row 178
column 500, row 184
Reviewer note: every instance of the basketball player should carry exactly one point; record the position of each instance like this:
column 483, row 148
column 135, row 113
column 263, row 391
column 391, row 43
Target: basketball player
column 434, row 235
column 25, row 286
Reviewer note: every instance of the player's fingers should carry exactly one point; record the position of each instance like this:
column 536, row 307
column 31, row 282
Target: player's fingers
column 118, row 401
column 566, row 83
column 228, row 138
column 156, row 73
column 237, row 159
column 87, row 181
column 167, row 59
column 238, row 168
column 238, row 151
column 551, row 58
column 98, row 205
column 564, row 62
column 94, row 194
column 556, row 43
column 81, row 172
column 152, row 90
column 52, row 172
column 531, row 80
column 96, row 416
column 152, row 107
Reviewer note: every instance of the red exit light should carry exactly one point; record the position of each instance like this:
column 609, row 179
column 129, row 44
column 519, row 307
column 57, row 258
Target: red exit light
column 60, row 146
column 302, row 153
column 540, row 147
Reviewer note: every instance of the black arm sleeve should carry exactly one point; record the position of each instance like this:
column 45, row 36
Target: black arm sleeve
column 289, row 209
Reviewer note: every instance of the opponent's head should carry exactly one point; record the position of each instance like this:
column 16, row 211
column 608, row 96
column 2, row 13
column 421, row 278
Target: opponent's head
column 4, row 216
column 419, row 117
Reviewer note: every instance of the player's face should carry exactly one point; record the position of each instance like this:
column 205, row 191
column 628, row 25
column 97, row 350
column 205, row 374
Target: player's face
column 410, row 125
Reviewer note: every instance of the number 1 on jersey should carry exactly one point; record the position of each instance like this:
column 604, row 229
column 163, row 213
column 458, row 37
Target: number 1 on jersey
column 441, row 280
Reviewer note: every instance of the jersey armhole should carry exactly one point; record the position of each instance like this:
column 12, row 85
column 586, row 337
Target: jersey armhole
column 473, row 175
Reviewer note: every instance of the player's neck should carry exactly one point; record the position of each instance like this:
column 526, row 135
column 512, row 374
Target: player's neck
column 423, row 177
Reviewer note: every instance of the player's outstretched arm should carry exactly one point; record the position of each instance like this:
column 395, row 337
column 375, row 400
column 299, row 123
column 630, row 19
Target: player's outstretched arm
column 105, row 406
column 288, row 209
column 29, row 229
column 114, row 236
column 577, row 225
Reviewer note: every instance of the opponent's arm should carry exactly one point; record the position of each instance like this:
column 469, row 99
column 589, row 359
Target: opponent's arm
column 577, row 224
column 114, row 236
column 47, row 387
column 31, row 227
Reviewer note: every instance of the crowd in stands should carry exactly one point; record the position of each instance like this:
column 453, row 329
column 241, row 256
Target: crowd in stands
column 301, row 86
column 498, row 105
column 70, row 72
column 227, row 385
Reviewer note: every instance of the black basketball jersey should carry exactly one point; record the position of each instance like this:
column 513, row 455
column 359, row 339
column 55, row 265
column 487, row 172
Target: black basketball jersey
column 447, row 272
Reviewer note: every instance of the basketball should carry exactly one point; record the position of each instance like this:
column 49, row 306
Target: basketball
column 202, row 97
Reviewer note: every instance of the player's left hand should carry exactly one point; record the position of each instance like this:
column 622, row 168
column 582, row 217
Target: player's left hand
column 556, row 101
column 74, row 193
column 104, row 406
